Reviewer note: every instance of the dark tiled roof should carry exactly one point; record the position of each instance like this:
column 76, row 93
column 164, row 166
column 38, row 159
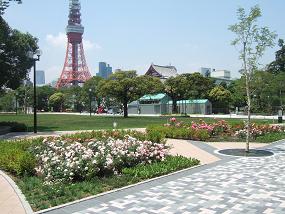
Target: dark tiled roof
column 165, row 71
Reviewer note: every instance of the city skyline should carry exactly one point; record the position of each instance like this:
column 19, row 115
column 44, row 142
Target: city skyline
column 132, row 35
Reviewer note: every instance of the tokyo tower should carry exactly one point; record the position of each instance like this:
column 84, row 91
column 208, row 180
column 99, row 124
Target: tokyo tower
column 75, row 69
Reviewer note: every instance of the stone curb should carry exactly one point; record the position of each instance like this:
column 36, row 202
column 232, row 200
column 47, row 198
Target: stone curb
column 19, row 193
column 115, row 190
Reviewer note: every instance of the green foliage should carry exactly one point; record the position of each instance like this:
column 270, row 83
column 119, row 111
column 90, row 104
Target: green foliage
column 220, row 98
column 7, row 102
column 15, row 126
column 14, row 63
column 187, row 86
column 270, row 137
column 198, row 86
column 278, row 65
column 175, row 89
column 178, row 132
column 4, row 4
column 43, row 94
column 15, row 157
column 57, row 101
column 170, row 164
column 126, row 86
column 238, row 92
column 116, row 134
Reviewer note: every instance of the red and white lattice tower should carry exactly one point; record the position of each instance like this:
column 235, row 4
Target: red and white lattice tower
column 75, row 69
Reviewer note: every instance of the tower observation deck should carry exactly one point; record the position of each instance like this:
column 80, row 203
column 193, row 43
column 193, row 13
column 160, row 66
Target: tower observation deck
column 75, row 69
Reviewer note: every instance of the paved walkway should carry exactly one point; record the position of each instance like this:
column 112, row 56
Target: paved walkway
column 11, row 199
column 231, row 185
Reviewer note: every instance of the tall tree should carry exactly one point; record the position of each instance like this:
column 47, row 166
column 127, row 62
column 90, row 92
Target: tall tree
column 198, row 86
column 252, row 42
column 43, row 94
column 57, row 101
column 126, row 86
column 278, row 65
column 91, row 90
column 14, row 60
column 221, row 98
column 175, row 89
column 238, row 92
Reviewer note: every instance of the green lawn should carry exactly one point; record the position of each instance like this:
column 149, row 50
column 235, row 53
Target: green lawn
column 51, row 122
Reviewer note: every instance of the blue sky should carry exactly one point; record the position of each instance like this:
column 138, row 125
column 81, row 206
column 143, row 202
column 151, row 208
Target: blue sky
column 132, row 34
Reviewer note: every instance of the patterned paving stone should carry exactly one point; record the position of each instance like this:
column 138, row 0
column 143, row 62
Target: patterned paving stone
column 243, row 185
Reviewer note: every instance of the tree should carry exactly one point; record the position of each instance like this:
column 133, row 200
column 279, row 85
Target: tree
column 252, row 42
column 14, row 60
column 57, row 101
column 5, row 3
column 238, row 92
column 25, row 96
column 7, row 101
column 43, row 94
column 278, row 65
column 220, row 97
column 126, row 86
column 93, row 84
column 175, row 89
column 198, row 86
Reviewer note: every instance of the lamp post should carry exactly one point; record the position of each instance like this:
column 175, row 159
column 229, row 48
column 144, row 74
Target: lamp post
column 90, row 100
column 32, row 55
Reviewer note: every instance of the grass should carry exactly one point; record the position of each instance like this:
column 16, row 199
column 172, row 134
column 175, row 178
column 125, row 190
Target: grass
column 42, row 196
column 51, row 122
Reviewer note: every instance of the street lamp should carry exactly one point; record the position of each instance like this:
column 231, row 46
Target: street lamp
column 32, row 56
column 90, row 100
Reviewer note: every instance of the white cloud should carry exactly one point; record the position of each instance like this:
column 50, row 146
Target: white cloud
column 60, row 41
column 88, row 45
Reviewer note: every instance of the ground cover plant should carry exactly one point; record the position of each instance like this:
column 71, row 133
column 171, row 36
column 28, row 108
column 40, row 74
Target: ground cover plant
column 219, row 130
column 52, row 122
column 57, row 170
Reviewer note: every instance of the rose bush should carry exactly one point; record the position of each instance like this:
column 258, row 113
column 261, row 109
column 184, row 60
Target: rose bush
column 61, row 160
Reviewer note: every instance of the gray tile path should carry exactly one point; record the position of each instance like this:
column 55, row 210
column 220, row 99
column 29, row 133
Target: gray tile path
column 242, row 185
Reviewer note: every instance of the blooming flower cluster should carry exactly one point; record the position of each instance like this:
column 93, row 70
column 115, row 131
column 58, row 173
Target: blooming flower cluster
column 202, row 125
column 259, row 130
column 60, row 160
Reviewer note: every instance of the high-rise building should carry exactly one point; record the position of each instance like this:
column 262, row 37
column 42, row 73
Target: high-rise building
column 105, row 70
column 40, row 77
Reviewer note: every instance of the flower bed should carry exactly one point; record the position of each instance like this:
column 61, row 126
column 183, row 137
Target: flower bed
column 63, row 160
column 54, row 171
column 218, row 130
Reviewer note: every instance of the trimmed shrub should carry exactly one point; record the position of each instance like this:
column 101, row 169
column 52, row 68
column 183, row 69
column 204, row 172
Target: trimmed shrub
column 15, row 158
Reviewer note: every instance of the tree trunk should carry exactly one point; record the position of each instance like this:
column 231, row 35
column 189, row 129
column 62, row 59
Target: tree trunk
column 247, row 82
column 174, row 106
column 125, row 104
column 248, row 114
